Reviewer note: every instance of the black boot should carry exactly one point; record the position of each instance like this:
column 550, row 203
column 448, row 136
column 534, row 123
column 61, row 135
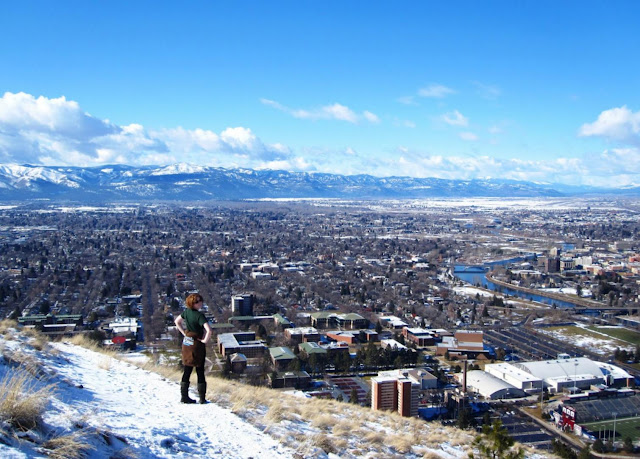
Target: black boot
column 184, row 393
column 202, row 392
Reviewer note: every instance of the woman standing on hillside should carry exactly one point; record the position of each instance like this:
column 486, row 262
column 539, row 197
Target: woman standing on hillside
column 196, row 331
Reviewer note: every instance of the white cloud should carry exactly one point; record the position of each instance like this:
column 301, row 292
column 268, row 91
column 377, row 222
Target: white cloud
column 407, row 100
column 487, row 91
column 437, row 91
column 335, row 111
column 371, row 117
column 57, row 132
column 620, row 124
column 468, row 136
column 32, row 127
column 455, row 118
column 339, row 112
column 24, row 112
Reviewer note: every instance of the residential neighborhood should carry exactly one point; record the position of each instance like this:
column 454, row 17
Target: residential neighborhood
column 432, row 312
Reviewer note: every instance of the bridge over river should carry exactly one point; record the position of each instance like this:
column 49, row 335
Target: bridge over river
column 581, row 305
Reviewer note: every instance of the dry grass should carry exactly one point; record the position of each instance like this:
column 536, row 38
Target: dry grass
column 376, row 438
column 8, row 327
column 322, row 421
column 106, row 363
column 323, row 442
column 22, row 403
column 431, row 455
column 243, row 401
column 401, row 443
column 275, row 414
column 80, row 339
column 72, row 446
column 342, row 428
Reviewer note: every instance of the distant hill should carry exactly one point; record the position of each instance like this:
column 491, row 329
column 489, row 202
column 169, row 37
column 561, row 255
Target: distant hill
column 182, row 182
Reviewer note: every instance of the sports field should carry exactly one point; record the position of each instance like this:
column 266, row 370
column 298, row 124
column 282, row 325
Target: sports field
column 627, row 427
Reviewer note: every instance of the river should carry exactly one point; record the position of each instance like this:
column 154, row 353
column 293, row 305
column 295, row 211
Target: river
column 476, row 275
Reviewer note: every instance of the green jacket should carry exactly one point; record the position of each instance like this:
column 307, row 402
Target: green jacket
column 194, row 321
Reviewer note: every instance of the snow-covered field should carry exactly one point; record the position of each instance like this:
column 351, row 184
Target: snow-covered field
column 592, row 340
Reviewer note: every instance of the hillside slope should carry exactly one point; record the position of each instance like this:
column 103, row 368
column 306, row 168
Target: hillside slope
column 100, row 406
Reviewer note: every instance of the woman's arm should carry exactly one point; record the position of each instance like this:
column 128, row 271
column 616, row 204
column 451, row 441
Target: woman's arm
column 207, row 334
column 179, row 325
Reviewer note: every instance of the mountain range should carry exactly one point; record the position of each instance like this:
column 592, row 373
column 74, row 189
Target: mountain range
column 183, row 182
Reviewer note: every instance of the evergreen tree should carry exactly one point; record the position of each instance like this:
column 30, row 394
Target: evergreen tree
column 353, row 397
column 495, row 443
column 562, row 450
column 598, row 446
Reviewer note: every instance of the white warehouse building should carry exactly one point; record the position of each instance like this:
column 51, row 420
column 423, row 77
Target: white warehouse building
column 517, row 377
column 565, row 373
column 489, row 386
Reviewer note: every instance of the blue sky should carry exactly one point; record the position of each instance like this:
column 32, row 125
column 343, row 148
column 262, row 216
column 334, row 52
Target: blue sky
column 544, row 91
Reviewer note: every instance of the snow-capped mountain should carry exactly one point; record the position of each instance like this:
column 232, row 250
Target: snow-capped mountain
column 187, row 182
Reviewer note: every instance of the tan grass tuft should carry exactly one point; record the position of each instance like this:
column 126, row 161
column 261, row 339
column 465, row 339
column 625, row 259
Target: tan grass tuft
column 31, row 332
column 72, row 446
column 376, row 438
column 26, row 362
column 435, row 438
column 431, row 455
column 8, row 327
column 459, row 437
column 401, row 443
column 323, row 442
column 322, row 421
column 342, row 428
column 275, row 414
column 341, row 443
column 243, row 401
column 105, row 363
column 22, row 404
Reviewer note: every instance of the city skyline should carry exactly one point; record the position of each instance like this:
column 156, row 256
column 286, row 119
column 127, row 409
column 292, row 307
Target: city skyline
column 542, row 92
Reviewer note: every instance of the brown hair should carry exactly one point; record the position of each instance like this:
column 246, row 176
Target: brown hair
column 193, row 299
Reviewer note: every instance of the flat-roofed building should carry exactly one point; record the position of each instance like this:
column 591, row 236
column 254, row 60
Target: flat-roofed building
column 516, row 377
column 419, row 336
column 302, row 335
column 245, row 343
column 242, row 305
column 296, row 379
column 383, row 393
column 343, row 336
column 393, row 322
column 575, row 373
column 464, row 344
column 395, row 390
column 330, row 319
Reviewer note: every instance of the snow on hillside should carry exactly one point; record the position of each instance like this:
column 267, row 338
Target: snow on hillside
column 124, row 411
column 103, row 406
